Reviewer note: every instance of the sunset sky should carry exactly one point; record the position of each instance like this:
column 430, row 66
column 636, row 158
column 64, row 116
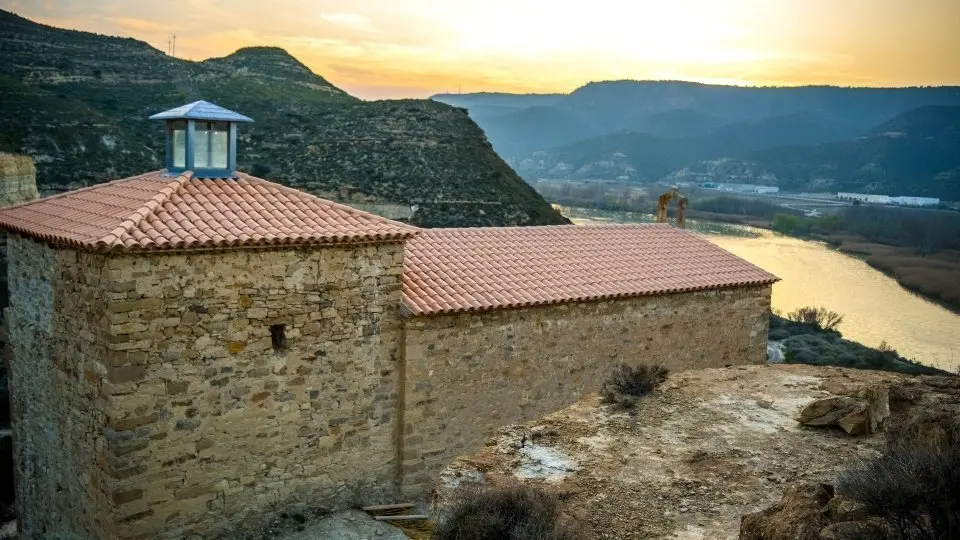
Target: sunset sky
column 414, row 48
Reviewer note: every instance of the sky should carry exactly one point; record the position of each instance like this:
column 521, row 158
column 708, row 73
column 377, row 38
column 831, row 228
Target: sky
column 415, row 48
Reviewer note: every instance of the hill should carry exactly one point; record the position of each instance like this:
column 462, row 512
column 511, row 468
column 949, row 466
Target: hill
column 643, row 157
column 614, row 103
column 915, row 153
column 486, row 104
column 678, row 123
column 676, row 130
column 77, row 103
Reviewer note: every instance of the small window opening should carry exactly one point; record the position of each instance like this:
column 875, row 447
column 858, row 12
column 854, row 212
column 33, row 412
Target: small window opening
column 211, row 145
column 178, row 141
column 278, row 336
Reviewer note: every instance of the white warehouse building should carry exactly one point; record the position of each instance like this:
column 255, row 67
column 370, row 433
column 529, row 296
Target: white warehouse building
column 887, row 199
column 916, row 201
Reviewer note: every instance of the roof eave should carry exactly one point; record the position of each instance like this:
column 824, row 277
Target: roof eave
column 417, row 311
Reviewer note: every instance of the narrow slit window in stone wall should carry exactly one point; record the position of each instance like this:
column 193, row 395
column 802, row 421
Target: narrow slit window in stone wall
column 278, row 336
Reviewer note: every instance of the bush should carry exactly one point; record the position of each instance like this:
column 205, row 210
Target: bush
column 627, row 383
column 820, row 317
column 515, row 512
column 807, row 344
column 912, row 492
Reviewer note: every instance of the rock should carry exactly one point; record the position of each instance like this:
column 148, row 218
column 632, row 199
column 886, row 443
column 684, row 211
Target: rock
column 926, row 409
column 808, row 512
column 18, row 179
column 775, row 352
column 860, row 414
column 800, row 515
column 840, row 509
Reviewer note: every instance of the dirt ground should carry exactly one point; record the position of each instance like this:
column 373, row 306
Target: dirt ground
column 699, row 452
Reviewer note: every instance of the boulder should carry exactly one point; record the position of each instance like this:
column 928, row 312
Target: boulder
column 809, row 512
column 926, row 410
column 800, row 515
column 860, row 414
column 775, row 354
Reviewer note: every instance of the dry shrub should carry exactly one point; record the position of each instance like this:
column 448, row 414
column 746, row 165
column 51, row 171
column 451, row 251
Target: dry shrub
column 937, row 276
column 627, row 383
column 911, row 492
column 820, row 317
column 515, row 512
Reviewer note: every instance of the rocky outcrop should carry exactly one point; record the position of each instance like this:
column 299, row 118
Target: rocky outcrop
column 910, row 481
column 18, row 183
column 807, row 512
column 860, row 414
column 699, row 452
column 926, row 410
column 18, row 179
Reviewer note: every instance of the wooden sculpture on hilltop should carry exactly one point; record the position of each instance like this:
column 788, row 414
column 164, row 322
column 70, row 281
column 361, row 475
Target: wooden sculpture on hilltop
column 664, row 199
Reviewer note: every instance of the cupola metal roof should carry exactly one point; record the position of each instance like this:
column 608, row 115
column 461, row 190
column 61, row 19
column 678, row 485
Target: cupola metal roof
column 201, row 110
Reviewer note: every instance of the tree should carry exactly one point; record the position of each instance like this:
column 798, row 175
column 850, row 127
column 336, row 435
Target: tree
column 820, row 317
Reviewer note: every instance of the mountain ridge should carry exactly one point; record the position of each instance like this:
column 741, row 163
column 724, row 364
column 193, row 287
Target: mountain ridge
column 78, row 103
column 675, row 131
column 914, row 153
column 606, row 107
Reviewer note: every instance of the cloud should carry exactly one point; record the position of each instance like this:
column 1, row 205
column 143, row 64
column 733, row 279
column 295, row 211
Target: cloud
column 424, row 46
column 133, row 25
column 351, row 20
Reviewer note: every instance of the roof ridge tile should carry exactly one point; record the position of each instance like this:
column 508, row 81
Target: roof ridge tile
column 159, row 211
column 128, row 225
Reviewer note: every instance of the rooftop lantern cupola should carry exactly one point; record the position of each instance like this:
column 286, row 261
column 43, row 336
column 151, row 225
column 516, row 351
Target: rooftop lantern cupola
column 202, row 137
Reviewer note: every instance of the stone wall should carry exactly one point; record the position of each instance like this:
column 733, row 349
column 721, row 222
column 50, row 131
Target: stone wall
column 468, row 374
column 216, row 420
column 58, row 335
column 170, row 395
column 186, row 410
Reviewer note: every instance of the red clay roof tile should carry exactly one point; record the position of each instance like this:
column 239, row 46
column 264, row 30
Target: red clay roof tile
column 157, row 211
column 454, row 270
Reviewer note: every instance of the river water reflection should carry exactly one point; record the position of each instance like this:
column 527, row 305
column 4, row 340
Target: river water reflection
column 874, row 307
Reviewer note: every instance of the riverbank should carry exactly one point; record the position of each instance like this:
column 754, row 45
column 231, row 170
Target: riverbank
column 934, row 276
column 803, row 343
column 888, row 240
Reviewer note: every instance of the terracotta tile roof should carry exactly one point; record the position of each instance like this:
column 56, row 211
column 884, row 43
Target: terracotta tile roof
column 155, row 211
column 451, row 270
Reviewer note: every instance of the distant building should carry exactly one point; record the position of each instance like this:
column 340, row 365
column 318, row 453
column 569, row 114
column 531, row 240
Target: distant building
column 887, row 199
column 865, row 198
column 740, row 188
column 916, row 201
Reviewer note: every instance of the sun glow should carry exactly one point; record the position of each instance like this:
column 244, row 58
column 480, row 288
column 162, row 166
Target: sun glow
column 390, row 48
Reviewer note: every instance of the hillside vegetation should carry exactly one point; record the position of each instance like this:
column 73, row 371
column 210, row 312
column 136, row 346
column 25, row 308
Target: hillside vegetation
column 77, row 103
column 807, row 343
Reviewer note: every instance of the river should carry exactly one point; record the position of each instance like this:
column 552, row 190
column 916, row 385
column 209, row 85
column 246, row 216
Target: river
column 874, row 307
